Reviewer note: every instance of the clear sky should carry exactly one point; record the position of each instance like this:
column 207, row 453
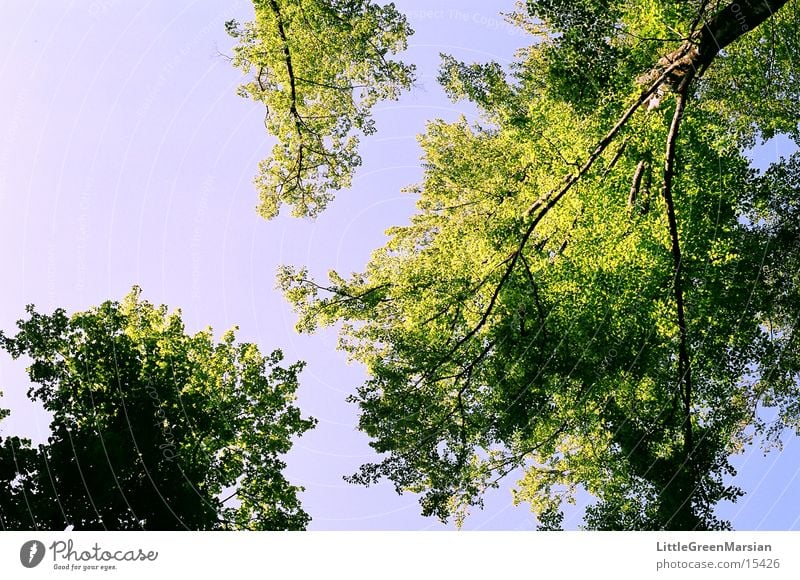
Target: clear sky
column 126, row 158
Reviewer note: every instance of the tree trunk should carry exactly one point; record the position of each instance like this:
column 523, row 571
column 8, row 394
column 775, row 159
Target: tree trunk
column 723, row 28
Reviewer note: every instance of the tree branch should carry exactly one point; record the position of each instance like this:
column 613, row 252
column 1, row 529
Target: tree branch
column 730, row 23
column 287, row 55
column 684, row 362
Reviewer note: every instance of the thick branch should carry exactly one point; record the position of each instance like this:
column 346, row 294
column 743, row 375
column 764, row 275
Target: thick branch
column 684, row 363
column 724, row 27
column 731, row 22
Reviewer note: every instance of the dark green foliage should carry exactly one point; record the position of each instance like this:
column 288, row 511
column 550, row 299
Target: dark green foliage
column 149, row 426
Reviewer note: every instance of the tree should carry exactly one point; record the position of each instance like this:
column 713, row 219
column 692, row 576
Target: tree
column 319, row 67
column 596, row 289
column 151, row 427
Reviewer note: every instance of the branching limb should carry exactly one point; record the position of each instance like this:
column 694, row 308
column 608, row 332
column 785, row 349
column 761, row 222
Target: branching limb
column 287, row 55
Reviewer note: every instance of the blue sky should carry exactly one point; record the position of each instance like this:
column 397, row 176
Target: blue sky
column 126, row 158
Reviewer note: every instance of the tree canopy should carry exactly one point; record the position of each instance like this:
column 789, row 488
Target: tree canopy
column 597, row 290
column 318, row 67
column 152, row 428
